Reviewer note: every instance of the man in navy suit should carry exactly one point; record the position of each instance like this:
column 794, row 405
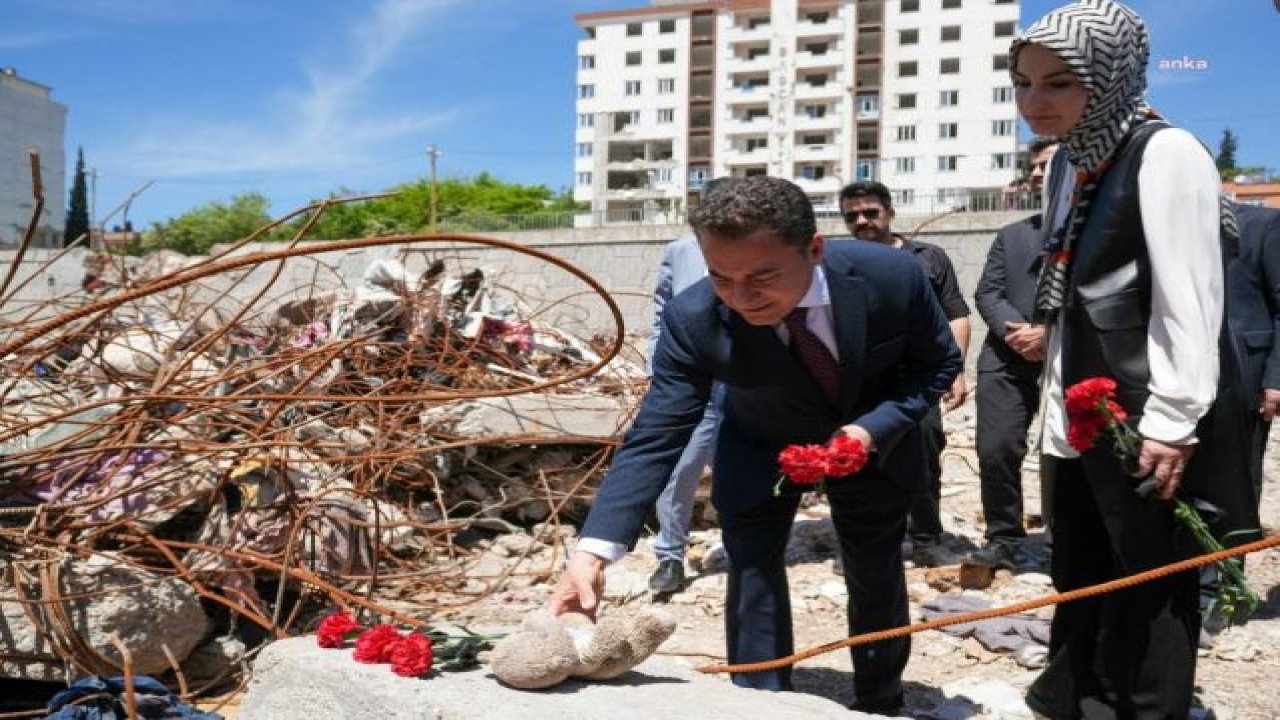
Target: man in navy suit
column 774, row 288
column 1253, row 309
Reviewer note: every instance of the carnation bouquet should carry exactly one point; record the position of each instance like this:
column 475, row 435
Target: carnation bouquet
column 1091, row 411
column 811, row 465
column 411, row 654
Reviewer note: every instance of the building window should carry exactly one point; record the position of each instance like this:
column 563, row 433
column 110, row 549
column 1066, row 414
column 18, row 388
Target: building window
column 757, row 144
column 948, row 163
column 813, row 172
column 815, row 111
column 586, row 120
column 818, row 18
column 584, row 178
column 758, row 22
column 1002, row 95
column 1006, row 29
column 950, row 4
column 909, row 37
column 584, row 150
column 1000, row 62
column 948, row 131
column 634, row 57
column 635, row 29
column 633, row 87
column 813, row 139
column 667, row 56
column 666, row 26
column 949, row 66
column 1002, row 128
column 662, row 175
column 903, row 197
column 910, row 6
column 625, row 119
column 666, row 85
column 907, row 101
column 666, row 115
column 949, row 98
column 906, row 133
column 586, row 62
column 1002, row 161
column 816, row 80
column 951, row 33
column 586, row 91
column 908, row 69
column 904, row 165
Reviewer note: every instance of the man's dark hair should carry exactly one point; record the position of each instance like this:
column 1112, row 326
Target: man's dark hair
column 737, row 207
column 1037, row 146
column 867, row 188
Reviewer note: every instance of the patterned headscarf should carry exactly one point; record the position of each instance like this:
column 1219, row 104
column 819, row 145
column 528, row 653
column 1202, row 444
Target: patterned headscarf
column 1104, row 44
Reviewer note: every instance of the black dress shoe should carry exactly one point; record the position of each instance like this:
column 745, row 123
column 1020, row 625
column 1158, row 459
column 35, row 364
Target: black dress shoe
column 996, row 555
column 891, row 706
column 931, row 553
column 668, row 578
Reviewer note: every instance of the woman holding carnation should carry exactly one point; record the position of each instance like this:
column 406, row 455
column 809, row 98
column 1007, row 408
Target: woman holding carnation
column 1132, row 288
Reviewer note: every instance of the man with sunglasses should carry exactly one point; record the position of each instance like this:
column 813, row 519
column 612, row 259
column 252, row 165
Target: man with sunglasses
column 867, row 209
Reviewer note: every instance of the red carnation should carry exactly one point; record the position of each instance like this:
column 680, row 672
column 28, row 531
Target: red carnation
column 845, row 456
column 334, row 629
column 1088, row 395
column 412, row 655
column 804, row 464
column 374, row 645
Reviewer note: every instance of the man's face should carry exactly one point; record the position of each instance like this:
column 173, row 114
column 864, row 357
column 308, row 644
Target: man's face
column 867, row 219
column 1040, row 167
column 759, row 276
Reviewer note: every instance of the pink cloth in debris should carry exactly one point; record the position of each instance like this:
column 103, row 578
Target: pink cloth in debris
column 90, row 476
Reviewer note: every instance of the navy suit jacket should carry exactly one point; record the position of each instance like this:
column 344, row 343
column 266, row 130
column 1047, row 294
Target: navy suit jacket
column 1253, row 298
column 897, row 357
column 1007, row 291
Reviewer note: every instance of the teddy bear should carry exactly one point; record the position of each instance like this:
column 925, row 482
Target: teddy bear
column 546, row 650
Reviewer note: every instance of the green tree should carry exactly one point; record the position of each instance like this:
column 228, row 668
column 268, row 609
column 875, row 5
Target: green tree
column 78, row 206
column 195, row 231
column 1226, row 159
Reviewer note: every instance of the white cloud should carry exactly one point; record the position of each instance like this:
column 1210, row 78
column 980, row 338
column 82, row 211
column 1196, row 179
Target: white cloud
column 324, row 125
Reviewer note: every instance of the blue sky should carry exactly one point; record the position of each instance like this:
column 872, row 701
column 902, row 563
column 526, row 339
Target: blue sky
column 297, row 99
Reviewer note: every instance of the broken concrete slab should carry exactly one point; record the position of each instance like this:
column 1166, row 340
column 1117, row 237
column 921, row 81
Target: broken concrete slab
column 549, row 416
column 297, row 680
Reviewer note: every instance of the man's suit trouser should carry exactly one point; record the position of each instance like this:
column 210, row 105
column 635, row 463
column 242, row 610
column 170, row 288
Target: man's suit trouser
column 675, row 505
column 870, row 519
column 926, row 509
column 1131, row 653
column 1006, row 402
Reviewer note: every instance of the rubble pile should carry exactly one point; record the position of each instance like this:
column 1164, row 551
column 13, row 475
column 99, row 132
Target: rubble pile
column 191, row 463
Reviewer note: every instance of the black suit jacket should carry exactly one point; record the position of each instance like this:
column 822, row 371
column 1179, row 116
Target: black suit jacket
column 1253, row 298
column 1007, row 291
column 897, row 357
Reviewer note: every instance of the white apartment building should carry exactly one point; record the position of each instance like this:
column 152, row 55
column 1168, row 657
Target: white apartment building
column 913, row 93
column 30, row 120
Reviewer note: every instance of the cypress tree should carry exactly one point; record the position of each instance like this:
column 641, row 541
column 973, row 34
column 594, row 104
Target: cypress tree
column 78, row 207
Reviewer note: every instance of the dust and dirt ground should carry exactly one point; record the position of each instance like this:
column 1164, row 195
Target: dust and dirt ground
column 1236, row 674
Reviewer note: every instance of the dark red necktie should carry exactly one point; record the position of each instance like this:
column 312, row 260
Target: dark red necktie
column 813, row 354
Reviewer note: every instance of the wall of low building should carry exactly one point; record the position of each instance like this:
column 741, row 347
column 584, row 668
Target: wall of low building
column 623, row 260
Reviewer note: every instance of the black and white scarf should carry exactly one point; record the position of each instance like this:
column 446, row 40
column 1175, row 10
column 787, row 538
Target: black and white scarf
column 1105, row 45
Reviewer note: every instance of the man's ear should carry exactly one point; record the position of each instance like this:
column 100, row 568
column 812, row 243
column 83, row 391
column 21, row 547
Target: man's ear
column 817, row 248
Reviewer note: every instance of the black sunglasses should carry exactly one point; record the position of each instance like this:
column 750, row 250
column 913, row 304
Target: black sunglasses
column 869, row 213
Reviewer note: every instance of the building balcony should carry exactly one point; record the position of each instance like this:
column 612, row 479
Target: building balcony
column 808, row 28
column 738, row 34
column 832, row 89
column 756, row 156
column 826, row 184
column 743, row 94
column 735, row 64
column 830, row 58
column 830, row 121
column 754, row 126
column 817, row 152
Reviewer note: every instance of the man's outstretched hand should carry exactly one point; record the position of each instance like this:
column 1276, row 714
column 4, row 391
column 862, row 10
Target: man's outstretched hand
column 580, row 587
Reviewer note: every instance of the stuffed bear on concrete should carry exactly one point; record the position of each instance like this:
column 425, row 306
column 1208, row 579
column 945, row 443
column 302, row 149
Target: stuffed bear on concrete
column 547, row 650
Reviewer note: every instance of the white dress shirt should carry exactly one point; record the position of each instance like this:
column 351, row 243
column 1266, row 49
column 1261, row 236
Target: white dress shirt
column 819, row 320
column 1178, row 200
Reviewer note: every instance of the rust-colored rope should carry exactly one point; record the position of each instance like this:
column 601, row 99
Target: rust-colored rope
column 1077, row 594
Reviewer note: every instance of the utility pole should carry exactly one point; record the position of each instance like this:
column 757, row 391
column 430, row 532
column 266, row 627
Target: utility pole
column 92, row 173
column 433, row 152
